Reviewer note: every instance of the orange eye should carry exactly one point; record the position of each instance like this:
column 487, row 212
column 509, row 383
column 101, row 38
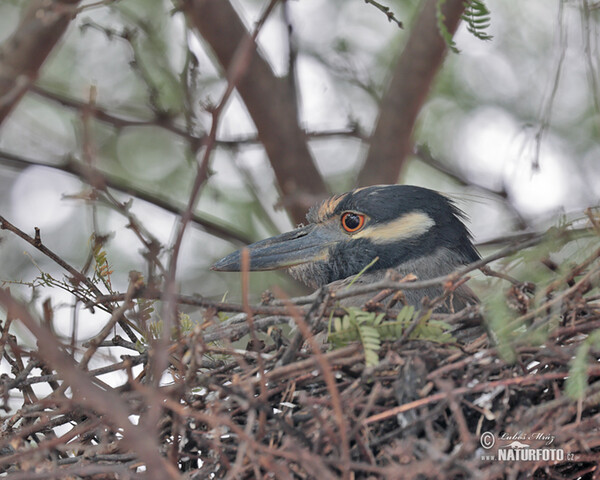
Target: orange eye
column 352, row 222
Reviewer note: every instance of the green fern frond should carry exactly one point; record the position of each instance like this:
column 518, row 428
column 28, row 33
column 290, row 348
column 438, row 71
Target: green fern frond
column 370, row 329
column 155, row 329
column 369, row 337
column 476, row 15
column 186, row 326
column 478, row 19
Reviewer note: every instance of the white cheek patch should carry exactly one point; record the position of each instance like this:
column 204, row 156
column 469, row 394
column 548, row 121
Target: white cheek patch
column 407, row 226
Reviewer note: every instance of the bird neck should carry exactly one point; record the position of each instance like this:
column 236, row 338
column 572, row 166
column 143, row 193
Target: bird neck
column 442, row 261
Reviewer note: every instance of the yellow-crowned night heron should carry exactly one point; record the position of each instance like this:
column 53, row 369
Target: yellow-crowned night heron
column 410, row 229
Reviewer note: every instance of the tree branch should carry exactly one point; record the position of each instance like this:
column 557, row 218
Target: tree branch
column 269, row 100
column 413, row 75
column 107, row 403
column 24, row 52
column 101, row 180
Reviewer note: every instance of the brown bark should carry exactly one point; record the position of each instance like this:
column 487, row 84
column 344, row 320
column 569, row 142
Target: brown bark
column 412, row 77
column 270, row 102
column 23, row 53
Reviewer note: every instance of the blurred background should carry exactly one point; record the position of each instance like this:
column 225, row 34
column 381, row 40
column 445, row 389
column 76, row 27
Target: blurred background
column 506, row 122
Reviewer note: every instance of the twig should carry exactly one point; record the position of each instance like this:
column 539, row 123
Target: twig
column 528, row 380
column 329, row 379
column 36, row 242
column 238, row 68
column 90, row 395
column 388, row 13
column 102, row 179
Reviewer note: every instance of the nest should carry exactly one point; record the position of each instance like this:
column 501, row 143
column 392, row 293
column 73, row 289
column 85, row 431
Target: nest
column 238, row 394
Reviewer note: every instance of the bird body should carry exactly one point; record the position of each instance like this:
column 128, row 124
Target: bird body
column 409, row 229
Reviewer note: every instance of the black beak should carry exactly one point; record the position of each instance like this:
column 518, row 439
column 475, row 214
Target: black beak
column 305, row 244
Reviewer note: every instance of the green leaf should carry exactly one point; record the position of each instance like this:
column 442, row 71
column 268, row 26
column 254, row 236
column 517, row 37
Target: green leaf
column 371, row 328
column 358, row 275
column 478, row 19
column 441, row 25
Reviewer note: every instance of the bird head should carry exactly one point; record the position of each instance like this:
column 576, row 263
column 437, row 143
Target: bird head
column 397, row 224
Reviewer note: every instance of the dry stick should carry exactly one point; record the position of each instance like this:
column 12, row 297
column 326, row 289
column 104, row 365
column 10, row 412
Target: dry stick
column 22, row 54
column 423, row 153
column 19, row 380
column 450, row 278
column 466, row 439
column 119, row 122
column 587, row 278
column 243, row 447
column 238, row 331
column 329, row 379
column 85, row 471
column 408, row 285
column 60, row 416
column 319, row 305
column 94, row 373
column 573, row 272
column 88, row 111
column 149, row 241
column 412, row 77
column 115, row 120
column 197, row 301
column 134, row 281
column 238, row 69
column 278, row 309
column 218, row 421
column 87, row 393
column 250, row 319
column 285, row 371
column 481, row 355
column 48, row 445
column 269, row 100
column 283, row 311
column 532, row 379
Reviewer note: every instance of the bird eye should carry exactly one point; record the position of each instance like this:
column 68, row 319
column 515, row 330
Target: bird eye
column 352, row 222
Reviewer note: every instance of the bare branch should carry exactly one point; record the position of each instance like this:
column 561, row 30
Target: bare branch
column 24, row 52
column 106, row 402
column 269, row 100
column 98, row 178
column 411, row 81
